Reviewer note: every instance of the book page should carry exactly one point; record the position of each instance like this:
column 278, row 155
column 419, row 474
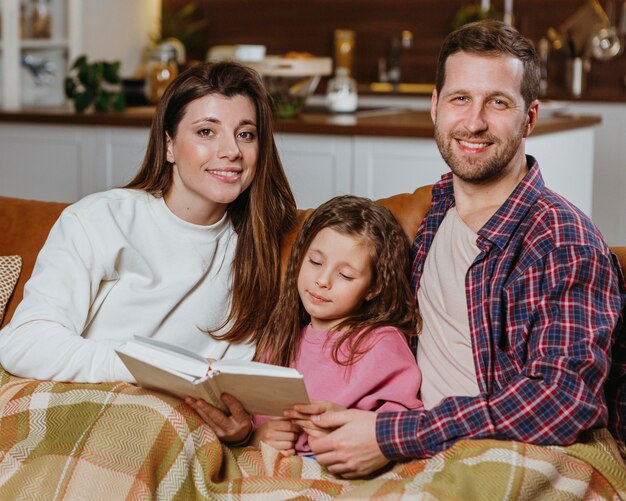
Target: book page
column 252, row 368
column 165, row 355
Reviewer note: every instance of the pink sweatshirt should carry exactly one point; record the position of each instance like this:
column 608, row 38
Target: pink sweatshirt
column 386, row 378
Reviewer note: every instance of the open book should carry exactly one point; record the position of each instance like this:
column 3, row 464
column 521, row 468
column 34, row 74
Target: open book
column 261, row 388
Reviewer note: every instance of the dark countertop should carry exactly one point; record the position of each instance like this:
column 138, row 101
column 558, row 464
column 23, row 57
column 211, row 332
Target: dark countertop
column 381, row 122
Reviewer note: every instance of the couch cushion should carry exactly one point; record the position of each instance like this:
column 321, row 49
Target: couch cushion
column 10, row 267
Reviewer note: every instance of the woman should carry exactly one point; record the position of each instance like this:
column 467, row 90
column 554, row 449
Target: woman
column 184, row 253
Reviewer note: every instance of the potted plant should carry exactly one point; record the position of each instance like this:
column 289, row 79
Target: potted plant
column 96, row 85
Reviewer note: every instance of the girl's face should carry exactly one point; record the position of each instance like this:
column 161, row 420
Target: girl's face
column 335, row 277
column 214, row 156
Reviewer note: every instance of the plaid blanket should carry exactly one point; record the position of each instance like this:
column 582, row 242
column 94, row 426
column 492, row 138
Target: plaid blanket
column 62, row 441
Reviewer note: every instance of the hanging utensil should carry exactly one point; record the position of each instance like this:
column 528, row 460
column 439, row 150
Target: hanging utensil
column 605, row 44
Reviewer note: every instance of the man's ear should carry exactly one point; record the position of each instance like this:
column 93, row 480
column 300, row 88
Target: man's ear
column 531, row 118
column 170, row 149
column 433, row 106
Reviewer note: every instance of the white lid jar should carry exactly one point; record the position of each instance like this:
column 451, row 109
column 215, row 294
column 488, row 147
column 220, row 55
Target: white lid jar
column 341, row 93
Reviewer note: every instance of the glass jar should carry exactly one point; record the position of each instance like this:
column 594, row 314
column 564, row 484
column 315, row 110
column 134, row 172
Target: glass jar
column 341, row 92
column 40, row 25
column 161, row 69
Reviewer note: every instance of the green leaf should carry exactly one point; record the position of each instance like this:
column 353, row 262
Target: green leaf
column 82, row 101
column 110, row 72
column 70, row 87
column 80, row 62
column 88, row 76
column 118, row 101
column 102, row 100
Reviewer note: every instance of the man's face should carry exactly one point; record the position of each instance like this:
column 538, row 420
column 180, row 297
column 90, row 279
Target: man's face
column 480, row 116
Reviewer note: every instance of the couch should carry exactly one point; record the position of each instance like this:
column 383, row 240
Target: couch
column 117, row 441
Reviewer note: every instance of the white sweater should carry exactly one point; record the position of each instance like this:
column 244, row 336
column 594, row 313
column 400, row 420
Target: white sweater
column 116, row 264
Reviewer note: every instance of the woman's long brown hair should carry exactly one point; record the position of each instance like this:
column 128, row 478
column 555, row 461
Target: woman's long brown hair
column 261, row 215
column 394, row 304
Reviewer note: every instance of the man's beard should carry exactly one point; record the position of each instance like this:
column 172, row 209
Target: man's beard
column 478, row 170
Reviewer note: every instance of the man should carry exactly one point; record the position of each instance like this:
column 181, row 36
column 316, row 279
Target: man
column 517, row 289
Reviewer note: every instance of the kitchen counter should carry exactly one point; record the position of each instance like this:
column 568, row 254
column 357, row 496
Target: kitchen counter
column 381, row 122
column 384, row 148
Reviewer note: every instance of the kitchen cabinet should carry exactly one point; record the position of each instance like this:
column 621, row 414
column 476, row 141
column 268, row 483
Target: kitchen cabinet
column 386, row 166
column 114, row 30
column 65, row 163
column 609, row 180
column 33, row 69
column 320, row 167
column 316, row 166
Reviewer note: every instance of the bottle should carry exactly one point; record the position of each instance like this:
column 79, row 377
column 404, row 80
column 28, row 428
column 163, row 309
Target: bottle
column 161, row 69
column 344, row 49
column 40, row 20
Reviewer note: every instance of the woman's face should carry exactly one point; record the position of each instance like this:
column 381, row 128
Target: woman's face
column 213, row 155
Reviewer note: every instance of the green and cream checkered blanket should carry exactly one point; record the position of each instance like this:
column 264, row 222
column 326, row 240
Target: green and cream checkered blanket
column 116, row 441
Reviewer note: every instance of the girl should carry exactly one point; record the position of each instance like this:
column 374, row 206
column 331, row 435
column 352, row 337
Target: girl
column 344, row 311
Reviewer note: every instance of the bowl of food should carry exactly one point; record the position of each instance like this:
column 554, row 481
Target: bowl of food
column 291, row 79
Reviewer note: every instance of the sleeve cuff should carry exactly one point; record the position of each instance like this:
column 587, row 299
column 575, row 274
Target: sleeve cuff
column 396, row 434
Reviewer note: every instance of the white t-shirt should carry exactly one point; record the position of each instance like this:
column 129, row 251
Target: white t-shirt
column 444, row 348
column 118, row 264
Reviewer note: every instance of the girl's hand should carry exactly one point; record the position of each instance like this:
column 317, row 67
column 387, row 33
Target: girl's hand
column 279, row 433
column 231, row 429
column 301, row 415
column 305, row 411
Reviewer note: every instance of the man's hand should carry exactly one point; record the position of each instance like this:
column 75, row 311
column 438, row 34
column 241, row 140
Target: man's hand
column 232, row 428
column 281, row 434
column 351, row 450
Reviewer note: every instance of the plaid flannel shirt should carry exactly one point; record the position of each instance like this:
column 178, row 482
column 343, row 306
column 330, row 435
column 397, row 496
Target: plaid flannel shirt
column 543, row 299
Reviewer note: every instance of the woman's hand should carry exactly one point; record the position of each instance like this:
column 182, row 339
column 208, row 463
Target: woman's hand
column 231, row 429
column 279, row 433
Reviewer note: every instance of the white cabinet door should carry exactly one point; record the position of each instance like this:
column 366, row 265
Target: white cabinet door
column 41, row 162
column 124, row 149
column 65, row 163
column 318, row 167
column 566, row 162
column 385, row 167
column 609, row 177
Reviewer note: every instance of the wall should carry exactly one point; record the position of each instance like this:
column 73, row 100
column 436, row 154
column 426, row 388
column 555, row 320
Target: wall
column 119, row 30
column 307, row 25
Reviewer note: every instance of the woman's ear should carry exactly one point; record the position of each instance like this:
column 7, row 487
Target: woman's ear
column 170, row 149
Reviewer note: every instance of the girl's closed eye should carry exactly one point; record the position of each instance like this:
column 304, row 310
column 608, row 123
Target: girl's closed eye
column 346, row 276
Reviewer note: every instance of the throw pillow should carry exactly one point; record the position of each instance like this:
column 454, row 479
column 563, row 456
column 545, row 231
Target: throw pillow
column 10, row 267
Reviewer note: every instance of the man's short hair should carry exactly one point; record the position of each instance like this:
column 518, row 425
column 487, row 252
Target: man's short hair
column 493, row 38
